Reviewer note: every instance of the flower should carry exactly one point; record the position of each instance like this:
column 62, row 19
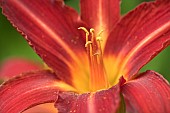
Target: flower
column 93, row 58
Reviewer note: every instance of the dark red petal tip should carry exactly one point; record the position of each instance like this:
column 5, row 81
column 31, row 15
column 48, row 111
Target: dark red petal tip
column 148, row 93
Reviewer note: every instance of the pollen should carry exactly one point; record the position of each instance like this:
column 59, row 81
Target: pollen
column 98, row 78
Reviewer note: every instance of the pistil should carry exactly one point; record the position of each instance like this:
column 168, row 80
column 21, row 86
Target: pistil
column 98, row 77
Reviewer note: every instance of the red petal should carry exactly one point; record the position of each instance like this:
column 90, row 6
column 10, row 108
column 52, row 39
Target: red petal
column 28, row 90
column 106, row 101
column 140, row 36
column 51, row 28
column 100, row 15
column 16, row 66
column 148, row 93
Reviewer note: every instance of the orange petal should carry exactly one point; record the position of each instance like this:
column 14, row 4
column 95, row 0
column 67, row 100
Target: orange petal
column 43, row 108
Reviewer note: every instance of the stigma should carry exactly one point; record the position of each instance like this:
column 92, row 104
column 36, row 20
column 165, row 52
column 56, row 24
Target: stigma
column 98, row 78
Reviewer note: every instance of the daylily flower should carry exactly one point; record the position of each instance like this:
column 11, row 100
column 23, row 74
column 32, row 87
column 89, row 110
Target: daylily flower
column 93, row 58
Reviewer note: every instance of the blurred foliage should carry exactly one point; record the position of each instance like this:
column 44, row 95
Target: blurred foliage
column 13, row 45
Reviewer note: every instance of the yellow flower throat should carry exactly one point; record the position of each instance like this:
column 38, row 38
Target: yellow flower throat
column 98, row 78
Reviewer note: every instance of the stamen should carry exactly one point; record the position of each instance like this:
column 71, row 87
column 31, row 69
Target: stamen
column 87, row 43
column 99, row 38
column 87, row 35
column 100, row 32
column 98, row 78
column 84, row 29
column 92, row 34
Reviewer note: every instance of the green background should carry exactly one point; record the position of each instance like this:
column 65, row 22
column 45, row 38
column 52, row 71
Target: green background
column 13, row 45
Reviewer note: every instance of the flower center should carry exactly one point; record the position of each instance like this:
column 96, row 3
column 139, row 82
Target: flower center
column 98, row 78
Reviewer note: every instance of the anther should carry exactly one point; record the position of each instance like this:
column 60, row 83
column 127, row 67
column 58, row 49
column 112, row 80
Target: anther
column 100, row 33
column 92, row 33
column 84, row 29
column 87, row 43
column 99, row 38
column 87, row 35
column 92, row 30
column 97, row 53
